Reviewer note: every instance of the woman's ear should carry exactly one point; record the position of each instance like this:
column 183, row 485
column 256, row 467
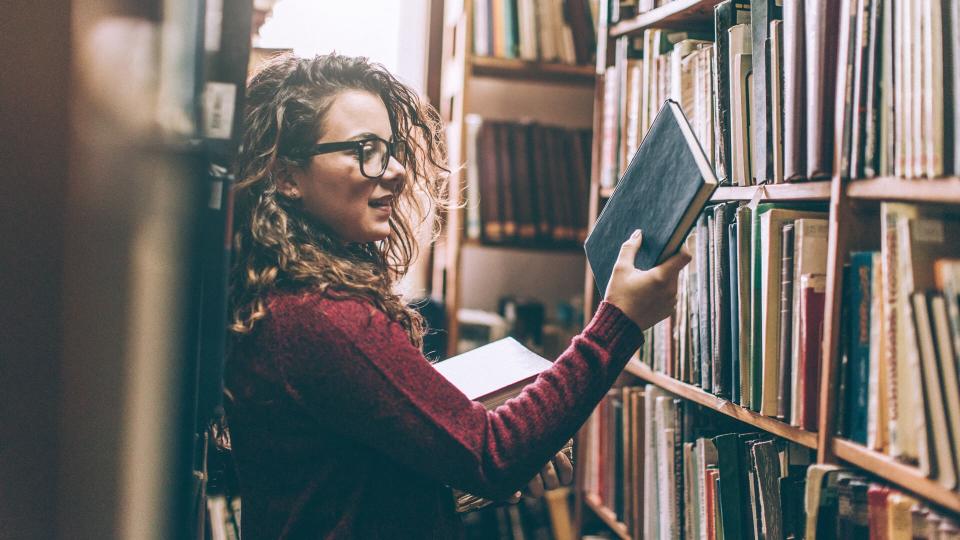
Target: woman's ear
column 287, row 182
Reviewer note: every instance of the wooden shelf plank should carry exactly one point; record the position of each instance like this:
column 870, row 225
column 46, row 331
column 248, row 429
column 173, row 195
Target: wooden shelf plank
column 800, row 191
column 678, row 14
column 937, row 190
column 509, row 68
column 905, row 476
column 695, row 394
column 606, row 515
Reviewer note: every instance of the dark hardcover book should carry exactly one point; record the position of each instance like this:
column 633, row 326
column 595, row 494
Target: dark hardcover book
column 504, row 180
column 791, row 502
column 858, row 367
column 734, row 326
column 488, row 169
column 616, row 418
column 822, row 27
column 846, row 117
column 678, row 437
column 722, row 368
column 812, row 301
column 794, row 92
column 846, row 326
column 559, row 185
column 710, row 212
column 730, row 493
column 580, row 180
column 767, row 463
column 786, row 324
column 578, row 17
column 540, row 172
column 950, row 12
column 761, row 136
column 870, row 161
column 726, row 14
column 826, row 522
column 852, row 508
column 861, row 72
column 748, row 486
column 703, row 300
column 663, row 190
column 522, row 183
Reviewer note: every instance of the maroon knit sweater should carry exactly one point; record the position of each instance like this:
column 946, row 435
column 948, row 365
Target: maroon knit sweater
column 341, row 428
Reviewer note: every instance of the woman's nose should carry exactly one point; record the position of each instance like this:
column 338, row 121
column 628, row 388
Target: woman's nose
column 395, row 170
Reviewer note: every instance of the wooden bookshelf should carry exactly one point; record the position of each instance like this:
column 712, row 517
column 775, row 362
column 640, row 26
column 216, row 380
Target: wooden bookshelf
column 904, row 476
column 513, row 69
column 679, row 14
column 696, row 395
column 606, row 515
column 801, row 191
column 937, row 190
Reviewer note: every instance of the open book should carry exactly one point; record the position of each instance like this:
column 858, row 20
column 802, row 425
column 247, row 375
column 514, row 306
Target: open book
column 491, row 375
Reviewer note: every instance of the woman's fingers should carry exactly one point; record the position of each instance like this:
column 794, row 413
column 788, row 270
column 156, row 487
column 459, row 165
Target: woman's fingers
column 564, row 469
column 549, row 475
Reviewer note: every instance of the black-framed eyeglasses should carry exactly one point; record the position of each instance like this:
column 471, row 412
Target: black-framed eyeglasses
column 373, row 153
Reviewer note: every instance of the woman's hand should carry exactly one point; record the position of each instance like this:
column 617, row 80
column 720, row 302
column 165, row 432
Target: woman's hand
column 647, row 297
column 557, row 472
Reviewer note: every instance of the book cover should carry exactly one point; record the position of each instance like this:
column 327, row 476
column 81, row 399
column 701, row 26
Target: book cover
column 726, row 14
column 859, row 289
column 473, row 225
column 768, row 478
column 821, row 501
column 794, row 91
column 745, row 300
column 762, row 12
column 776, row 101
column 492, row 229
column 662, row 192
column 943, row 462
column 821, row 25
column 784, row 395
column 810, row 257
column 703, row 299
column 947, row 362
column 734, row 321
column 741, row 62
column 521, row 183
column 812, row 300
column 507, row 206
column 722, row 364
column 495, row 372
column 540, row 173
column 730, row 495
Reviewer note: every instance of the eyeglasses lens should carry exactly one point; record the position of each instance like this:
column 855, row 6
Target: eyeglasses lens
column 375, row 158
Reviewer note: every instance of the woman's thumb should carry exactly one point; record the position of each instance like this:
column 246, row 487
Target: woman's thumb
column 629, row 249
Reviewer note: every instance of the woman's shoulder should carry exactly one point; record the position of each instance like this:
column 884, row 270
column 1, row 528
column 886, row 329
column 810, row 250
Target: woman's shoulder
column 327, row 308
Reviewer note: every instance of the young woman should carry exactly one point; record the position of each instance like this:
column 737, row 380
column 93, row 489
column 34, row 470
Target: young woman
column 340, row 427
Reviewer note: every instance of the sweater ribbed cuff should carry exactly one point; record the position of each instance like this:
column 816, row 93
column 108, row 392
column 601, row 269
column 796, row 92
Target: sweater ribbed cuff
column 617, row 332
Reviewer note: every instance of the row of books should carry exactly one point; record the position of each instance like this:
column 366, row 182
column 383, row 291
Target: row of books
column 527, row 183
column 899, row 386
column 843, row 503
column 536, row 30
column 750, row 306
column 546, row 518
column 761, row 90
column 668, row 473
column 666, row 477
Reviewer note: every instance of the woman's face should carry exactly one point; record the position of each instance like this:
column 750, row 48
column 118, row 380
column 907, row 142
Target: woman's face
column 331, row 186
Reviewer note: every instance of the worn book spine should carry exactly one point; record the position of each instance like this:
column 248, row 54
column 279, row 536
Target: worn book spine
column 733, row 325
column 521, row 183
column 730, row 496
column 861, row 270
column 721, row 304
column 845, row 115
column 875, row 87
column 726, row 15
column 794, row 91
column 703, row 295
column 822, row 19
column 745, row 296
column 786, row 322
column 859, row 44
column 813, row 291
column 504, row 175
column 761, row 136
column 543, row 185
column 488, row 170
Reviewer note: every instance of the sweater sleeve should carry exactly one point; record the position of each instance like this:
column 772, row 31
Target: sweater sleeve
column 357, row 373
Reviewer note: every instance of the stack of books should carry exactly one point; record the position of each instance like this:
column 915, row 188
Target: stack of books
column 561, row 31
column 843, row 503
column 665, row 476
column 749, row 318
column 899, row 388
column 762, row 89
column 527, row 183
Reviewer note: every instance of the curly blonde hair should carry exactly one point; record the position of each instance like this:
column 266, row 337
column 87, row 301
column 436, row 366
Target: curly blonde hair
column 277, row 245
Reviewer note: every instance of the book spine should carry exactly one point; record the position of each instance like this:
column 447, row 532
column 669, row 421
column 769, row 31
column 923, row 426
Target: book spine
column 761, row 13
column 821, row 24
column 786, row 319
